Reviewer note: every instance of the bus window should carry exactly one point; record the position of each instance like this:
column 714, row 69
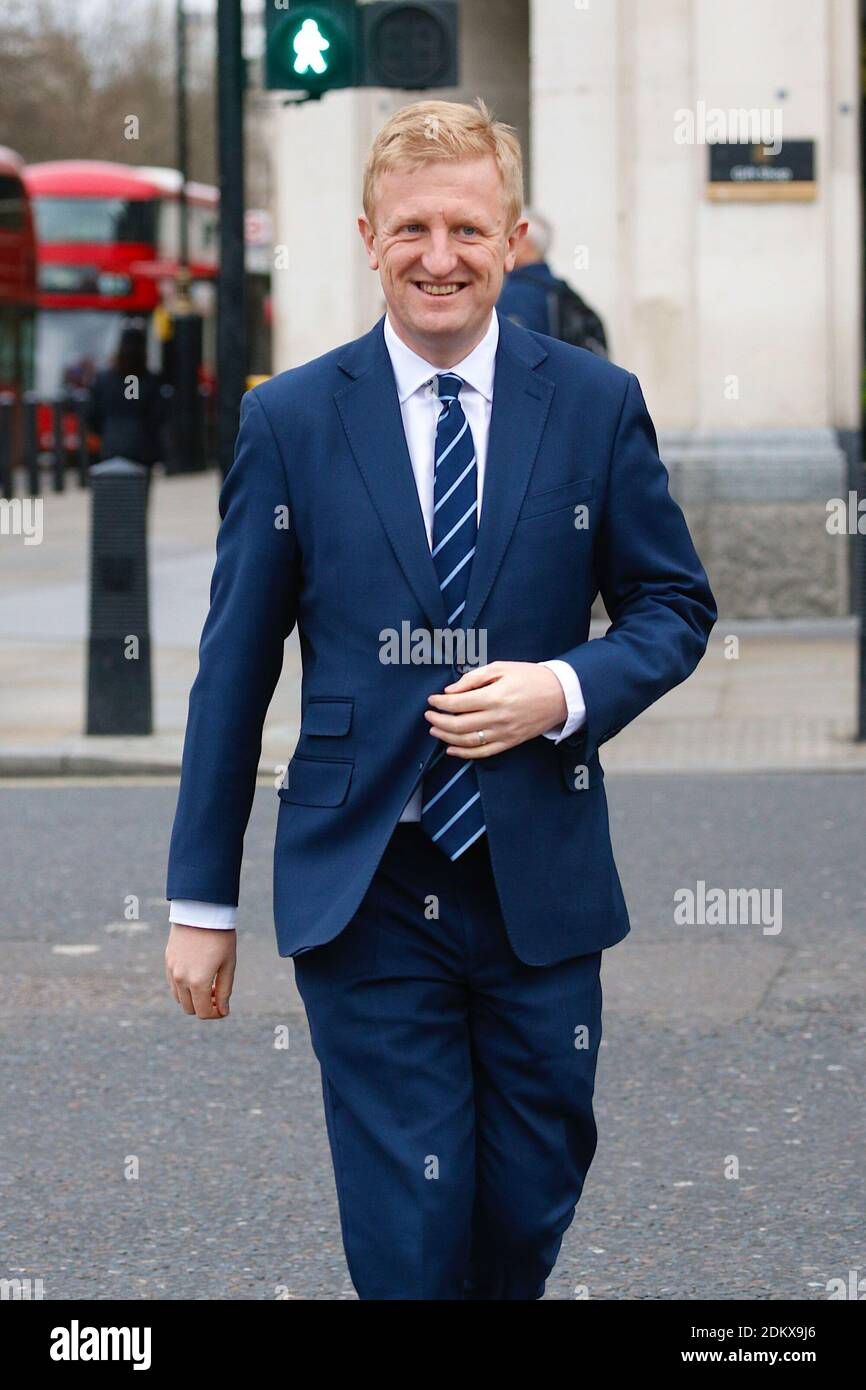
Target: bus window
column 72, row 346
column 96, row 220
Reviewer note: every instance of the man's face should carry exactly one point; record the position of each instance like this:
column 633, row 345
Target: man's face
column 441, row 246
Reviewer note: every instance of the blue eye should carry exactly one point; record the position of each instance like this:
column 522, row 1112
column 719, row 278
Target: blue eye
column 468, row 229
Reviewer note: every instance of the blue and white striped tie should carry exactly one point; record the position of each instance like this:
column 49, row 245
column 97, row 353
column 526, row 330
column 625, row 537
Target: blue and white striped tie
column 451, row 810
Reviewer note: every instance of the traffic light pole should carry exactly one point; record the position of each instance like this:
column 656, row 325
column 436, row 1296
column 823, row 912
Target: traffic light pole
column 231, row 305
column 187, row 425
column 859, row 540
column 180, row 68
column 860, row 607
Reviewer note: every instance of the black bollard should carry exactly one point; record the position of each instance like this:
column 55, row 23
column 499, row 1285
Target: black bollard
column 30, row 403
column 118, row 671
column 187, row 441
column 7, row 479
column 59, row 455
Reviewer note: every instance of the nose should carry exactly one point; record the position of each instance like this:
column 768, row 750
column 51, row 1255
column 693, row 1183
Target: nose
column 439, row 257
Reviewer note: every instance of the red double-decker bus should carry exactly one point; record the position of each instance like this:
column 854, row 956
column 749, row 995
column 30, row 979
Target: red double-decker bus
column 17, row 294
column 108, row 241
column 108, row 248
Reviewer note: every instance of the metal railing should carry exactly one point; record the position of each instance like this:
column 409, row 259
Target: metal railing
column 28, row 449
column 33, row 452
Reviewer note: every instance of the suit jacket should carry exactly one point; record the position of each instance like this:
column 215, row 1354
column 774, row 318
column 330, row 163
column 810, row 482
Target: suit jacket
column 322, row 527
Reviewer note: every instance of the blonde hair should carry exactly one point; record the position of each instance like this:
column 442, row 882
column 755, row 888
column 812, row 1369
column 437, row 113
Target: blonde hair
column 440, row 130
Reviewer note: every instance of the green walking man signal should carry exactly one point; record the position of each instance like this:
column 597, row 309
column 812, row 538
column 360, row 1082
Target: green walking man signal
column 316, row 48
column 309, row 44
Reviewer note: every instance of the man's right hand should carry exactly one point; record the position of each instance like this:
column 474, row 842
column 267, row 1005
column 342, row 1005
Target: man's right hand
column 200, row 969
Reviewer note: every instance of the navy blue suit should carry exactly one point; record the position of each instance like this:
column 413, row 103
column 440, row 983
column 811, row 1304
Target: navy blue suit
column 322, row 527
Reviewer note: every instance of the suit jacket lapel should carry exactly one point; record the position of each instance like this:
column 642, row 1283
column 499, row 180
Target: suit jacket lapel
column 370, row 411
column 521, row 401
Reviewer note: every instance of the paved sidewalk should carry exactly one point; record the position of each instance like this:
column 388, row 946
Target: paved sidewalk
column 786, row 701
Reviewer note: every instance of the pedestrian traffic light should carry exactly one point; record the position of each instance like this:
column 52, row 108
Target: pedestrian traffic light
column 409, row 45
column 310, row 47
column 315, row 48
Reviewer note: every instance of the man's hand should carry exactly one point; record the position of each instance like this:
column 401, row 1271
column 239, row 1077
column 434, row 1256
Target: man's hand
column 510, row 701
column 200, row 969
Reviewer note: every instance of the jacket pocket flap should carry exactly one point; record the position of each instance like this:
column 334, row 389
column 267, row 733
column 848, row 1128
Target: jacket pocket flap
column 538, row 503
column 326, row 716
column 317, row 781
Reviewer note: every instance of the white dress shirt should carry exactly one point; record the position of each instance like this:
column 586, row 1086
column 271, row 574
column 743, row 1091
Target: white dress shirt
column 419, row 408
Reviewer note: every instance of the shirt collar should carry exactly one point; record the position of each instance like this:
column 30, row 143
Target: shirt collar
column 412, row 371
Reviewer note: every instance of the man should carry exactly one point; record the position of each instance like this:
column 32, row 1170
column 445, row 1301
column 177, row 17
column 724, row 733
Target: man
column 533, row 296
column 443, row 873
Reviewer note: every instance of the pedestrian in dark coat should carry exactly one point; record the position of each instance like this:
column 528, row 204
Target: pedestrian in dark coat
column 127, row 407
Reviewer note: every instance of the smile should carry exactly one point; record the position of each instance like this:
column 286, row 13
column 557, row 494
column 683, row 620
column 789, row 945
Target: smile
column 438, row 291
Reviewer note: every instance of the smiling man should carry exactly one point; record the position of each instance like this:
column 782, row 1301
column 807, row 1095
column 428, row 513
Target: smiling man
column 443, row 873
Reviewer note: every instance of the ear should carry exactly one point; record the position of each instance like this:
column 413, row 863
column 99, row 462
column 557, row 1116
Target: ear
column 368, row 236
column 514, row 240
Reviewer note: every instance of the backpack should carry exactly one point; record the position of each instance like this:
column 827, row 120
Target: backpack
column 572, row 320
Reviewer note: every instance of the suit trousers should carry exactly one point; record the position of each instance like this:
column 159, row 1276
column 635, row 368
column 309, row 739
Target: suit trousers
column 457, row 1082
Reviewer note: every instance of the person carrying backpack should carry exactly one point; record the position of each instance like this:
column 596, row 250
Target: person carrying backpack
column 533, row 297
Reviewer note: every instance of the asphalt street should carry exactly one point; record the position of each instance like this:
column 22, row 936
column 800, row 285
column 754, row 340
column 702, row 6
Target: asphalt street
column 146, row 1155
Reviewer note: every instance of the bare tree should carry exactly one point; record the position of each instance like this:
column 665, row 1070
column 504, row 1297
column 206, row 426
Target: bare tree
column 71, row 78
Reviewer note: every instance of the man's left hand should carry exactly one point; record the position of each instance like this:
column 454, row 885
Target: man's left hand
column 509, row 701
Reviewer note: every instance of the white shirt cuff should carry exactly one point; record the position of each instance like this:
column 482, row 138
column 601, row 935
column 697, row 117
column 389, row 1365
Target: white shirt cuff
column 187, row 912
column 567, row 677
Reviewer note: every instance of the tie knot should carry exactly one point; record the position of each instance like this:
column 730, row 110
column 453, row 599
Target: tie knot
column 448, row 386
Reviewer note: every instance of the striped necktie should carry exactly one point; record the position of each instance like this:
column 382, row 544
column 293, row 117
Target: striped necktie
column 451, row 810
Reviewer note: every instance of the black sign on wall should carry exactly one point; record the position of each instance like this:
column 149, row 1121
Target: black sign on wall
column 754, row 172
